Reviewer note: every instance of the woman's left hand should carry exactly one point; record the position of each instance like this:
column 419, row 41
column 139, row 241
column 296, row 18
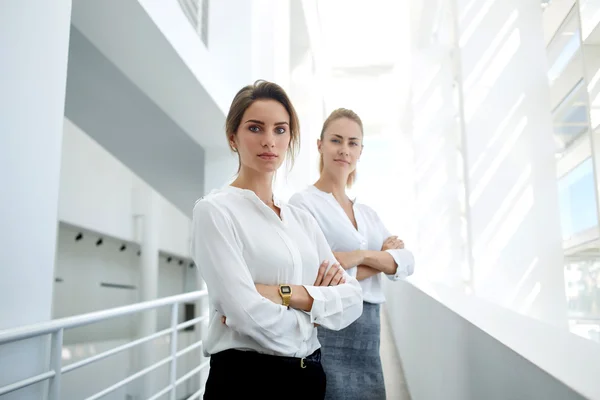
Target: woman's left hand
column 349, row 259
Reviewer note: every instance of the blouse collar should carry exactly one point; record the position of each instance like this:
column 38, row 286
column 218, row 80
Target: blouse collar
column 249, row 194
column 314, row 189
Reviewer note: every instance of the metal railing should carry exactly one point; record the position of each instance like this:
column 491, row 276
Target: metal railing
column 56, row 329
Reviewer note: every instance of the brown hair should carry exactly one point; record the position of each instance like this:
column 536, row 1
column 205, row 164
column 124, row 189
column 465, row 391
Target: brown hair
column 335, row 115
column 262, row 90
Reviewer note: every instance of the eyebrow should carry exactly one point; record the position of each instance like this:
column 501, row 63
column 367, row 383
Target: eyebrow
column 341, row 137
column 256, row 121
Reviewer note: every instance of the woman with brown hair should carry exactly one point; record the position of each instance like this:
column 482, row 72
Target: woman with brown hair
column 262, row 264
column 364, row 247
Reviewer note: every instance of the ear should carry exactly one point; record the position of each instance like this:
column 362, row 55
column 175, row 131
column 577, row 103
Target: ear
column 232, row 143
column 319, row 143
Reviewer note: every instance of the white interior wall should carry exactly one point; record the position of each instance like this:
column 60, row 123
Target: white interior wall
column 458, row 351
column 101, row 198
column 513, row 196
column 440, row 243
column 81, row 268
column 98, row 193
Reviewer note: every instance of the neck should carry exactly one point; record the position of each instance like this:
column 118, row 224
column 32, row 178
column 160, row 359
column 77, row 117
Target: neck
column 333, row 185
column 259, row 183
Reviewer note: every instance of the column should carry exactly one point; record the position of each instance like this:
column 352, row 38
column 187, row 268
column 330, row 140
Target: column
column 34, row 43
column 150, row 224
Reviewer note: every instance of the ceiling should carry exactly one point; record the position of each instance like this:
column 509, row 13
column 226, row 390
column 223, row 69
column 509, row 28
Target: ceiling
column 367, row 48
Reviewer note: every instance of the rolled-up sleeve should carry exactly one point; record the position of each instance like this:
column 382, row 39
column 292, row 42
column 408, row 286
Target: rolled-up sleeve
column 334, row 307
column 218, row 255
column 405, row 260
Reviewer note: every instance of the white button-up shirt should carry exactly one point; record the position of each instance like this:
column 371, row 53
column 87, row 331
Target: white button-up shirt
column 342, row 236
column 238, row 241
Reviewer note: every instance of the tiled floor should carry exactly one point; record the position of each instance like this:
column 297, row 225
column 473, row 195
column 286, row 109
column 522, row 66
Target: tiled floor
column 395, row 385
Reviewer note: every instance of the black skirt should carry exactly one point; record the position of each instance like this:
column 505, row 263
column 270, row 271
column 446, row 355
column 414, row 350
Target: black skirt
column 259, row 376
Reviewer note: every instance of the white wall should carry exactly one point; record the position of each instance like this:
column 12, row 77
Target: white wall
column 440, row 245
column 513, row 200
column 81, row 268
column 100, row 194
column 451, row 350
column 230, row 40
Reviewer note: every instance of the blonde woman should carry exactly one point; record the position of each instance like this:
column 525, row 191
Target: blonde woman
column 367, row 251
column 262, row 263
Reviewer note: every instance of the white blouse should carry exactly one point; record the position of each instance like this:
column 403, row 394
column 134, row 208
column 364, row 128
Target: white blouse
column 238, row 241
column 342, row 236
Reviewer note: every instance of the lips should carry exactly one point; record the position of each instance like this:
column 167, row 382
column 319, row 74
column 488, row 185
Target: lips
column 268, row 156
column 343, row 161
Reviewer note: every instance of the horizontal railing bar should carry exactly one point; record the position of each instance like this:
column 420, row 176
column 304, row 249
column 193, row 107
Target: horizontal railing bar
column 114, row 351
column 26, row 382
column 45, row 328
column 191, row 373
column 191, row 322
column 161, row 393
column 196, row 395
column 188, row 349
column 130, row 379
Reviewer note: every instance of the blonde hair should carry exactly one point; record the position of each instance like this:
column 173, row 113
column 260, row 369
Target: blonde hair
column 262, row 90
column 334, row 116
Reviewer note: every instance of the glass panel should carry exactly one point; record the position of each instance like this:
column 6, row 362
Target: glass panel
column 570, row 118
column 564, row 46
column 582, row 280
column 577, row 200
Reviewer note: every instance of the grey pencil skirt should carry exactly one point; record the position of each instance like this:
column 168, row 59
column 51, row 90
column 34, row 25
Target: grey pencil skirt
column 350, row 358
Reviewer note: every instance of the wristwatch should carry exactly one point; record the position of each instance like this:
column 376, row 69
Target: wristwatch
column 285, row 291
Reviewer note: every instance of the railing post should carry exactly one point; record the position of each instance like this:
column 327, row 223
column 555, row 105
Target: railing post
column 174, row 321
column 56, row 364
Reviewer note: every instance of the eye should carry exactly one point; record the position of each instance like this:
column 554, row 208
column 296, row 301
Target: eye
column 280, row 130
column 254, row 128
column 335, row 140
column 353, row 144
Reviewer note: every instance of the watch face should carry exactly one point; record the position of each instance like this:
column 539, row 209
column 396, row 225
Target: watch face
column 286, row 290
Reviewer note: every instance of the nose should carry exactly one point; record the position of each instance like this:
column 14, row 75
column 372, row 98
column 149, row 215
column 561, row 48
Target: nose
column 343, row 151
column 268, row 140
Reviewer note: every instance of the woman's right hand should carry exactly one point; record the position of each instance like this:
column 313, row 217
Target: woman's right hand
column 333, row 277
column 392, row 243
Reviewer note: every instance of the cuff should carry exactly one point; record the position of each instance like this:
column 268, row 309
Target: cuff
column 318, row 307
column 405, row 264
column 305, row 325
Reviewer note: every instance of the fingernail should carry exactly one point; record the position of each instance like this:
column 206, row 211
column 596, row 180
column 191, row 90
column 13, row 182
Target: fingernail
column 326, row 262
